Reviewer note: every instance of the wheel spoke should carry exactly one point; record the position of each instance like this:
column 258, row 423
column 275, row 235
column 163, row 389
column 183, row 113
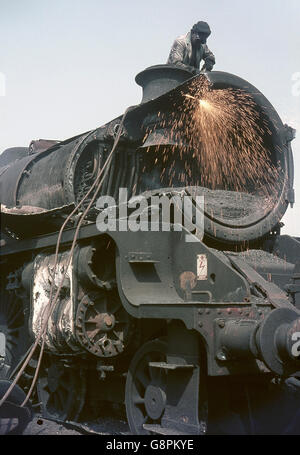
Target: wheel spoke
column 64, row 384
column 13, row 318
column 10, row 340
column 142, row 378
column 9, row 351
column 119, row 335
column 53, row 399
column 62, row 397
column 137, row 399
column 154, row 373
column 92, row 333
column 10, row 331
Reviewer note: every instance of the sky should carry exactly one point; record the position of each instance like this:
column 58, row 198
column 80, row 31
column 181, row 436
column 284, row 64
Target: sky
column 68, row 66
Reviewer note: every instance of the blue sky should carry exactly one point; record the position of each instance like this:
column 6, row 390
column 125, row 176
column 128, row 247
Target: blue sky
column 69, row 65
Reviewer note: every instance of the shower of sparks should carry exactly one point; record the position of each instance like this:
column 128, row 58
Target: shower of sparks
column 205, row 104
column 216, row 139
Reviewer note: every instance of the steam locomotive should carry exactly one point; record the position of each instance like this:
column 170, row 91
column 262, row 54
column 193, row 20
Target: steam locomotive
column 194, row 337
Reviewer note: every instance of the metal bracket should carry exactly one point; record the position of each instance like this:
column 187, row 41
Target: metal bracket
column 273, row 293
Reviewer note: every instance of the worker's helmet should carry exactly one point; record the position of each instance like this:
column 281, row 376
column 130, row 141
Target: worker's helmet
column 202, row 27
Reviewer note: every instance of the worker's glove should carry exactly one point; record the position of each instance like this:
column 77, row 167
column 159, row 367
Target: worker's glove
column 209, row 64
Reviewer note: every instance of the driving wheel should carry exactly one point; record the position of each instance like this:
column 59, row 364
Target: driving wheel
column 146, row 387
column 61, row 390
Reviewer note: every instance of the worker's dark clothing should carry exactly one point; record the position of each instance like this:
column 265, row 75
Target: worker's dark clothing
column 185, row 56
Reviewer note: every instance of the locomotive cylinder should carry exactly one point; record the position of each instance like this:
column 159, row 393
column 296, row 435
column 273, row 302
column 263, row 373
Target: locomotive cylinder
column 272, row 341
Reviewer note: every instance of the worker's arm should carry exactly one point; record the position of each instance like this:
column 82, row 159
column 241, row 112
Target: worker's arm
column 209, row 59
column 176, row 57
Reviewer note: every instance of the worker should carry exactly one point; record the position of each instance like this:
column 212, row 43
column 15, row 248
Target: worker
column 188, row 50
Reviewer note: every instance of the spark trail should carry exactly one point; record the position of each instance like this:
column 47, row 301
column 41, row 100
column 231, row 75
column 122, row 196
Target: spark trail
column 216, row 139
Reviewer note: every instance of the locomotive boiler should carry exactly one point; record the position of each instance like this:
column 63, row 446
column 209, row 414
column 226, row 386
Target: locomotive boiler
column 194, row 337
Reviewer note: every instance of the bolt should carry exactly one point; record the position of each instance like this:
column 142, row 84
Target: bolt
column 200, row 311
column 221, row 324
column 200, row 324
column 108, row 321
column 94, row 250
column 229, row 311
column 221, row 356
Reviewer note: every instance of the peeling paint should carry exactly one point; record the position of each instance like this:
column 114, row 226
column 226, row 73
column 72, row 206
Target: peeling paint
column 60, row 328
